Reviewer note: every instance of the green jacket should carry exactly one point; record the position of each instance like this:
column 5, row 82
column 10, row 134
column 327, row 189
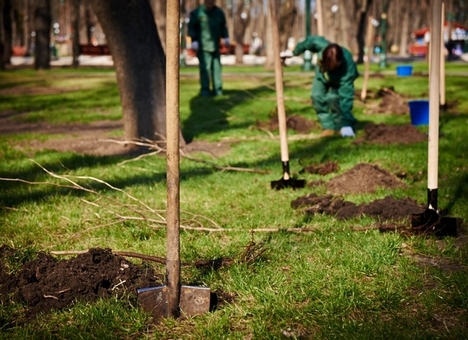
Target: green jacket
column 207, row 27
column 342, row 78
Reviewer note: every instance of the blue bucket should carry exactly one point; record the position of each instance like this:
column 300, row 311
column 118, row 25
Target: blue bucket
column 419, row 111
column 404, row 70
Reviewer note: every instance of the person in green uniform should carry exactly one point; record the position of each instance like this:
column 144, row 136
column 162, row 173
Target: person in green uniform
column 207, row 26
column 333, row 86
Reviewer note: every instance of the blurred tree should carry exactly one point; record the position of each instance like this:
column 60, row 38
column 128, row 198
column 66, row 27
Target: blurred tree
column 75, row 24
column 7, row 26
column 241, row 21
column 42, row 28
column 2, row 39
column 140, row 65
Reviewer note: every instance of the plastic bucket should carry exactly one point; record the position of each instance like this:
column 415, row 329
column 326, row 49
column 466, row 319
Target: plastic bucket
column 419, row 111
column 404, row 70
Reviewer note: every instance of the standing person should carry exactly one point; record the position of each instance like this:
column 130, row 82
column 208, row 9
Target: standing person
column 333, row 86
column 206, row 27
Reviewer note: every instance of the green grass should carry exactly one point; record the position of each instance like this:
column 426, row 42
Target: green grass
column 330, row 283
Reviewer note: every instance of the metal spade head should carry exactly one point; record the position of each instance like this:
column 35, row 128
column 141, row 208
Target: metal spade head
column 193, row 301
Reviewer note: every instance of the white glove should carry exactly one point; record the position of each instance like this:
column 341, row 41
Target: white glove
column 286, row 54
column 195, row 46
column 227, row 43
column 347, row 131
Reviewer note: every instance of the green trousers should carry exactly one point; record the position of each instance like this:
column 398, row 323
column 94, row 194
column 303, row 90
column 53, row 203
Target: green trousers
column 327, row 102
column 210, row 72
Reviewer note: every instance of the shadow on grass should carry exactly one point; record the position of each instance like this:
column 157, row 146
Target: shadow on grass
column 209, row 114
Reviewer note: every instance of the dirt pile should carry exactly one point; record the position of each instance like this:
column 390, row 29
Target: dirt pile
column 391, row 134
column 391, row 102
column 321, row 168
column 46, row 283
column 363, row 178
column 294, row 122
column 386, row 209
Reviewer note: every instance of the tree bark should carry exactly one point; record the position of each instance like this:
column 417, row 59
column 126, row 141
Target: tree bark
column 75, row 22
column 159, row 12
column 270, row 57
column 140, row 65
column 240, row 25
column 361, row 32
column 7, row 38
column 42, row 26
column 2, row 45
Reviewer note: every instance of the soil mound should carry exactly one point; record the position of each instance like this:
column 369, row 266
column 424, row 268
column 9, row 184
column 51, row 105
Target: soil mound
column 386, row 209
column 391, row 102
column 294, row 122
column 363, row 178
column 46, row 283
column 391, row 134
column 321, row 168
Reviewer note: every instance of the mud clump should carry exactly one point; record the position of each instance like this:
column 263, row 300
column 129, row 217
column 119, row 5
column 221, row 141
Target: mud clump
column 45, row 283
column 386, row 209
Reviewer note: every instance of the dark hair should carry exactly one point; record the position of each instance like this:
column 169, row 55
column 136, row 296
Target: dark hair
column 332, row 57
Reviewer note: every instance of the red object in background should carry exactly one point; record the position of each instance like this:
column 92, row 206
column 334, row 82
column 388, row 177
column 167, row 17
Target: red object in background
column 18, row 51
column 420, row 47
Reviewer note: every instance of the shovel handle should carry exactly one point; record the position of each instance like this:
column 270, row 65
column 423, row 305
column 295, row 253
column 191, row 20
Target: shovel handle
column 172, row 156
column 279, row 82
column 434, row 91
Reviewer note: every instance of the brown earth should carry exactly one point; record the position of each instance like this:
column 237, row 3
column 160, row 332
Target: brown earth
column 390, row 134
column 391, row 102
column 46, row 283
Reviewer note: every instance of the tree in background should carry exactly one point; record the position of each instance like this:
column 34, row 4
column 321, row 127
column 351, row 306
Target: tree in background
column 241, row 19
column 2, row 39
column 42, row 28
column 7, row 25
column 140, row 65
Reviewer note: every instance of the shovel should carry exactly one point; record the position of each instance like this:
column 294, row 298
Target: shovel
column 430, row 222
column 172, row 299
column 286, row 181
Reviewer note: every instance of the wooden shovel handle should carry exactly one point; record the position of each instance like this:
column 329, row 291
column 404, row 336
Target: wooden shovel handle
column 434, row 91
column 279, row 82
column 172, row 156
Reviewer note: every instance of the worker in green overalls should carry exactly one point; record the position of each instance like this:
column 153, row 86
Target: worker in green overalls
column 206, row 27
column 333, row 86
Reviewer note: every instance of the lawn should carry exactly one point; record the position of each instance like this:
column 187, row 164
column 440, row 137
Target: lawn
column 281, row 272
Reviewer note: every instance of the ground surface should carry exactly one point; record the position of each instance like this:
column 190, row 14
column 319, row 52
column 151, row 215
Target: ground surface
column 48, row 283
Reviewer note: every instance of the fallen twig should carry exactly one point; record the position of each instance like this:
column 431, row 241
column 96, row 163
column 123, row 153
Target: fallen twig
column 158, row 149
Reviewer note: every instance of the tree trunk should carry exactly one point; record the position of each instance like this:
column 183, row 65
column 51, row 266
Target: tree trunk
column 140, row 65
column 159, row 12
column 42, row 26
column 75, row 22
column 240, row 24
column 287, row 17
column 361, row 32
column 404, row 31
column 2, row 45
column 270, row 57
column 7, row 31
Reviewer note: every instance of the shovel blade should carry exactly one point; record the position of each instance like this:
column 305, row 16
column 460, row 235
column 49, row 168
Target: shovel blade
column 431, row 223
column 193, row 301
column 154, row 300
column 288, row 183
